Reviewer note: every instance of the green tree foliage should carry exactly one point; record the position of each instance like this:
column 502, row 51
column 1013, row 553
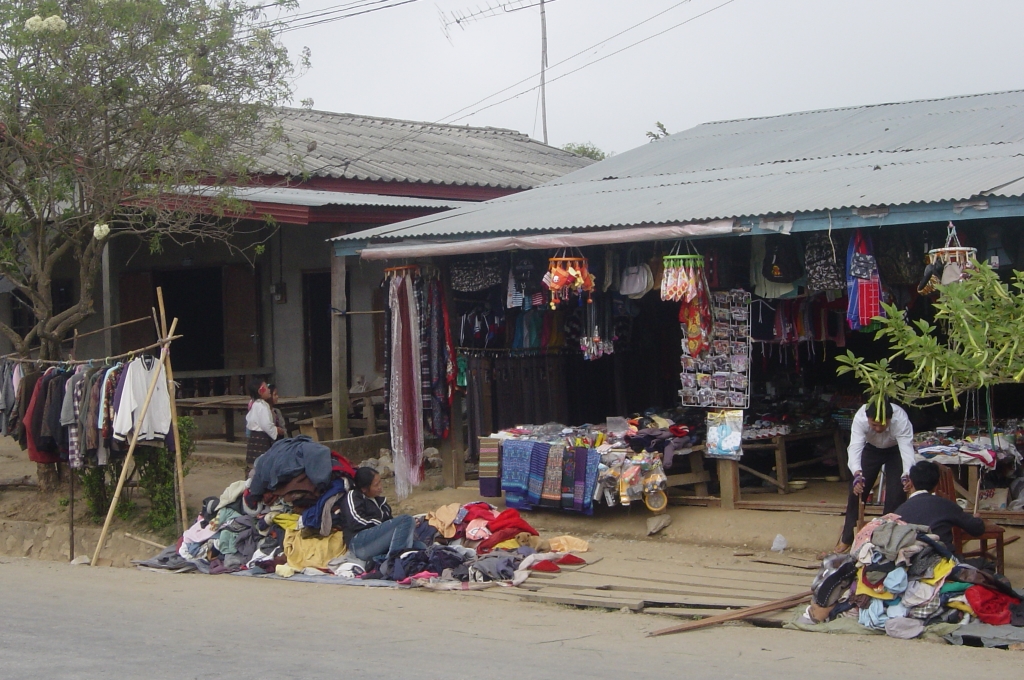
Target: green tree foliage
column 585, row 149
column 108, row 108
column 975, row 344
column 659, row 134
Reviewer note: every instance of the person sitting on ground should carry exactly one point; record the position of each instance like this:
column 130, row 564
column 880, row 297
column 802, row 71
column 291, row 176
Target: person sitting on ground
column 886, row 442
column 259, row 423
column 370, row 529
column 939, row 514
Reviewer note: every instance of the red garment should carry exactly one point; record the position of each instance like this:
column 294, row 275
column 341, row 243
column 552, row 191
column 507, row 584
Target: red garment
column 990, row 606
column 34, row 454
column 340, row 463
column 478, row 510
column 510, row 519
column 496, row 538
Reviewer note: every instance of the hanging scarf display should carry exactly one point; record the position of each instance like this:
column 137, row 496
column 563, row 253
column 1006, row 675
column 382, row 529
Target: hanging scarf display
column 863, row 287
column 405, row 398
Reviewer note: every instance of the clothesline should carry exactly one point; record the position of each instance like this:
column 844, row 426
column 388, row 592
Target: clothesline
column 81, row 362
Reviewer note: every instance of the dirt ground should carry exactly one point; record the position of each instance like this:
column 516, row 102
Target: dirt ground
column 36, row 525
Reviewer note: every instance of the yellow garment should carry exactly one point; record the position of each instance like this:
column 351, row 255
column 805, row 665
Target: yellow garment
column 942, row 570
column 312, row 552
column 285, row 571
column 865, row 589
column 568, row 544
column 510, row 544
column 443, row 519
column 961, row 604
column 286, row 521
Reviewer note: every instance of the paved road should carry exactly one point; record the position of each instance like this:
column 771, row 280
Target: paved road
column 58, row 621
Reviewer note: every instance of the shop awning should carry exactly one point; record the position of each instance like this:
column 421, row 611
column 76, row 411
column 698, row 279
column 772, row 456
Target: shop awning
column 547, row 241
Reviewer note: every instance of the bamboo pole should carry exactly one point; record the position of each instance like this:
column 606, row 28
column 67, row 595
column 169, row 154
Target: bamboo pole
column 131, row 451
column 766, row 608
column 179, row 470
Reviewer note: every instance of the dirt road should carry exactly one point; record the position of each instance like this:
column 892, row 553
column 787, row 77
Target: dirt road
column 61, row 621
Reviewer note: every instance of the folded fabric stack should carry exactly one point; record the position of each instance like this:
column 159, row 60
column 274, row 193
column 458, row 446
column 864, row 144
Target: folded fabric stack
column 490, row 467
column 900, row 579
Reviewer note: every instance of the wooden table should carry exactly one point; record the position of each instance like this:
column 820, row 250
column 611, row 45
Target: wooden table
column 782, row 465
column 229, row 403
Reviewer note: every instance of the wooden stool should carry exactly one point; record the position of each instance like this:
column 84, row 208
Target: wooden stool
column 960, row 538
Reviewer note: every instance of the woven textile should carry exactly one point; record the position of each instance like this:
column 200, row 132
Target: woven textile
column 538, row 468
column 515, row 472
column 551, row 492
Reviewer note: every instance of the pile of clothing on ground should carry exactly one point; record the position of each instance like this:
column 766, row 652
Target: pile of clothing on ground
column 901, row 580
column 287, row 520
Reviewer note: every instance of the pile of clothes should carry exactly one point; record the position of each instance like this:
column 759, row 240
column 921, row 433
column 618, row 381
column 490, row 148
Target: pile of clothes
column 288, row 519
column 900, row 579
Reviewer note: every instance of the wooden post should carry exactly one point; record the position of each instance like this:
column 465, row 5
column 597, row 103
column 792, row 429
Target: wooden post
column 339, row 347
column 781, row 469
column 729, row 482
column 179, row 471
column 453, row 451
column 131, row 449
column 697, row 467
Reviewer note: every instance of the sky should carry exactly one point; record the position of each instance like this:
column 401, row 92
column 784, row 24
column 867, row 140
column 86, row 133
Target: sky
column 744, row 58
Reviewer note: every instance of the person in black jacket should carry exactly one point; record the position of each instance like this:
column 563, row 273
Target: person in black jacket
column 370, row 529
column 938, row 513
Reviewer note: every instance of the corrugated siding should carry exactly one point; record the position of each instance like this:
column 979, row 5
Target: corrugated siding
column 894, row 154
column 383, row 149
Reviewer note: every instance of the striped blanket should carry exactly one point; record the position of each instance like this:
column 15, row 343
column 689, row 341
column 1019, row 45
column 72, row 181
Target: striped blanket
column 538, row 468
column 551, row 492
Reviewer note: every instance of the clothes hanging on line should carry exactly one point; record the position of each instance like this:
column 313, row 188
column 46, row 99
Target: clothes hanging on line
column 79, row 415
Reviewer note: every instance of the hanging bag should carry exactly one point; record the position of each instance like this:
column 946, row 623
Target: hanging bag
column 823, row 269
column 862, row 266
column 781, row 264
column 634, row 276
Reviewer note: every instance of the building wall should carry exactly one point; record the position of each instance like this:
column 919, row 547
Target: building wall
column 364, row 277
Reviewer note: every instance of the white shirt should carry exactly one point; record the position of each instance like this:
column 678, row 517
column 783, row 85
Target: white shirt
column 261, row 419
column 899, row 433
column 157, row 422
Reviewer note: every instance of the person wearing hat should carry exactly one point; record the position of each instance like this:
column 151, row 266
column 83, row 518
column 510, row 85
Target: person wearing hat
column 881, row 437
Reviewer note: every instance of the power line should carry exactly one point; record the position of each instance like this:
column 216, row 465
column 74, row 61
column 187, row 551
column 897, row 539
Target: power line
column 328, row 15
column 450, row 118
column 600, row 59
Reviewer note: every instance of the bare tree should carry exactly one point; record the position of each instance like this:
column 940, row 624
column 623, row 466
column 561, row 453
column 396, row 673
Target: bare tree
column 123, row 118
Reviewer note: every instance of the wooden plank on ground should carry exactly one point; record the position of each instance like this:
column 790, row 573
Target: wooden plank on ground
column 654, row 599
column 750, row 612
column 581, row 601
column 788, row 562
column 723, row 577
column 696, row 590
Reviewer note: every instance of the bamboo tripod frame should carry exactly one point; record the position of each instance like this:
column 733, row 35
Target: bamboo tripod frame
column 165, row 361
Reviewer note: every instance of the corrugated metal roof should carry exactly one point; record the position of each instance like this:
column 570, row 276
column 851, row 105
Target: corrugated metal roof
column 385, row 149
column 316, row 199
column 891, row 154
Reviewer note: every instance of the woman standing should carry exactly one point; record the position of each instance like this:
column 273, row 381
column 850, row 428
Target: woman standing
column 259, row 423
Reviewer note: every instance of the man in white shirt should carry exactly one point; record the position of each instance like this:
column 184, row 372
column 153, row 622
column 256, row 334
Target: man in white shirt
column 887, row 442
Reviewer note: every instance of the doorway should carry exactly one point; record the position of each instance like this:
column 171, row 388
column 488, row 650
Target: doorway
column 195, row 296
column 316, row 321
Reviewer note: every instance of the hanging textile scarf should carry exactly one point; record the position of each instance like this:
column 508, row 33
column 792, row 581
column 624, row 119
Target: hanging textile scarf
column 864, row 294
column 405, row 394
column 441, row 361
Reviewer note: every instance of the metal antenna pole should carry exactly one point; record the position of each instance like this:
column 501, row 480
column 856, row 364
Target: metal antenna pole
column 543, row 66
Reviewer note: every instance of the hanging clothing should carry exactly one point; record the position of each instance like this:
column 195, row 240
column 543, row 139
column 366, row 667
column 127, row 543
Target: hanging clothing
column 137, row 378
column 406, row 399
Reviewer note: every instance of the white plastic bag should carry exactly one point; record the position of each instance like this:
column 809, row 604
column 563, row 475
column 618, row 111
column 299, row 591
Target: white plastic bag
column 779, row 544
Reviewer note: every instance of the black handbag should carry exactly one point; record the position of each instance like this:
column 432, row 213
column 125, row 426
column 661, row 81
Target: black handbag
column 862, row 266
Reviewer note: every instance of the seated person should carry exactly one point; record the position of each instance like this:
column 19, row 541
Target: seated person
column 370, row 530
column 938, row 513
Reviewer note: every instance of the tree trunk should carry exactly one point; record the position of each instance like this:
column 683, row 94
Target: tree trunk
column 49, row 480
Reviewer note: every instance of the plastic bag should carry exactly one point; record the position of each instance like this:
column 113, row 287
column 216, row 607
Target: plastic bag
column 780, row 543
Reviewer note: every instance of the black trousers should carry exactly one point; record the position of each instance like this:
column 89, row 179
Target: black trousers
column 872, row 460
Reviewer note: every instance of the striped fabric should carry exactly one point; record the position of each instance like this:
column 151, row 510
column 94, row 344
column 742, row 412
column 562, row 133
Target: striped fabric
column 515, row 472
column 490, row 467
column 551, row 492
column 538, row 468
